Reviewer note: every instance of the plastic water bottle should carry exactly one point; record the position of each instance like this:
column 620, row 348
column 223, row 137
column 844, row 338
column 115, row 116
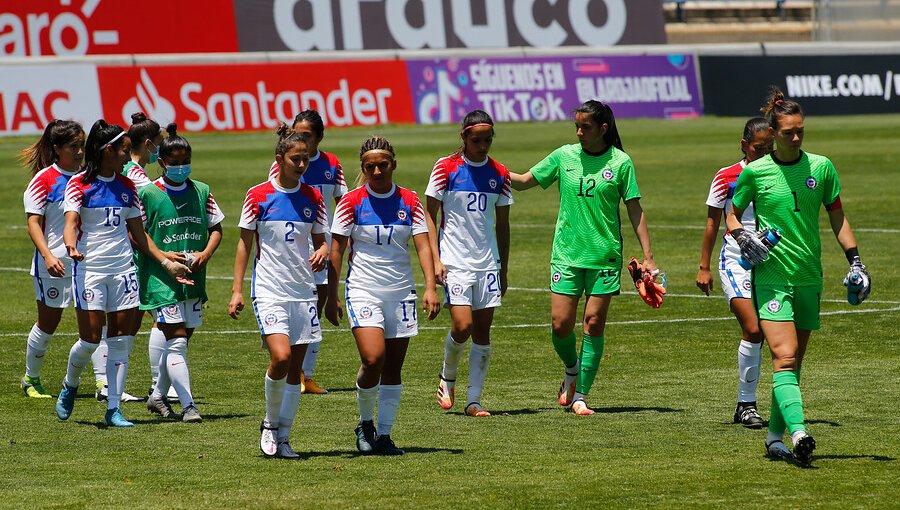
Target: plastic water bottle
column 769, row 237
column 854, row 287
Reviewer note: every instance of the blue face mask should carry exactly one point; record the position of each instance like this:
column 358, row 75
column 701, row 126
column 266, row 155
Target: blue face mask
column 154, row 155
column 178, row 173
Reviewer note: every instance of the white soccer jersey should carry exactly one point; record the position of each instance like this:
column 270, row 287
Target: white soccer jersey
column 469, row 193
column 721, row 192
column 137, row 174
column 45, row 195
column 214, row 214
column 379, row 227
column 104, row 205
column 283, row 220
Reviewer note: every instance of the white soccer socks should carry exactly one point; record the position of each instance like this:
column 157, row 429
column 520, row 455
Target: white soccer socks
column 479, row 358
column 749, row 359
column 174, row 365
column 79, row 355
column 156, row 346
column 365, row 399
column 274, row 396
column 38, row 343
column 312, row 356
column 290, row 402
column 388, row 405
column 452, row 353
column 117, row 367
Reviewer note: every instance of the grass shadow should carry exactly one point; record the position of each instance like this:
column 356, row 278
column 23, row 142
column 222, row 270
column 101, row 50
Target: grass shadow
column 824, row 422
column 876, row 458
column 630, row 409
column 354, row 454
column 519, row 412
column 341, row 390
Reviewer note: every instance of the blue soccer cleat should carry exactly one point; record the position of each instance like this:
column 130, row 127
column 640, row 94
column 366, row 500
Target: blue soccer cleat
column 66, row 402
column 114, row 418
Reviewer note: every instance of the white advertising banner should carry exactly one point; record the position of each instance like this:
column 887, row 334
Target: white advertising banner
column 31, row 96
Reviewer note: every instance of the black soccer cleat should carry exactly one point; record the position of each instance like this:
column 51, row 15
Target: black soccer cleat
column 384, row 445
column 365, row 436
column 803, row 450
column 747, row 415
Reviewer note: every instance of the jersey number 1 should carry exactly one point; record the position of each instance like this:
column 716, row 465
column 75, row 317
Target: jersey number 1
column 796, row 203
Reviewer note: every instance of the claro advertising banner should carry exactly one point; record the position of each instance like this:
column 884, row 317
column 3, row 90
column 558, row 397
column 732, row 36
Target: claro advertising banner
column 251, row 97
column 30, row 28
column 539, row 89
column 823, row 85
column 31, row 96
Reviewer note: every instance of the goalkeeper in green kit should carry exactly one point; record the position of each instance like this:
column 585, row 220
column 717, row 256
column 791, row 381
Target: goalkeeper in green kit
column 788, row 189
column 593, row 176
column 181, row 216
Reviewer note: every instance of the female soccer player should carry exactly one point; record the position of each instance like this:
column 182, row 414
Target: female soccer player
column 326, row 175
column 756, row 143
column 102, row 208
column 53, row 160
column 593, row 176
column 788, row 188
column 281, row 214
column 378, row 219
column 181, row 216
column 472, row 192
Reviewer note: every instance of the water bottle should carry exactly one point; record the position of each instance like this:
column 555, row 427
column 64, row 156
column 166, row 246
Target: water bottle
column 854, row 287
column 769, row 237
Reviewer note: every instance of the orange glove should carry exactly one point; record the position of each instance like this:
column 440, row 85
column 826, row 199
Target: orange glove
column 645, row 283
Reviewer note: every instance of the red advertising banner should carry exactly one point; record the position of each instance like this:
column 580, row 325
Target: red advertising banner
column 248, row 97
column 106, row 27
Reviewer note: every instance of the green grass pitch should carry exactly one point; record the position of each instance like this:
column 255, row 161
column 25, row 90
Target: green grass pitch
column 662, row 436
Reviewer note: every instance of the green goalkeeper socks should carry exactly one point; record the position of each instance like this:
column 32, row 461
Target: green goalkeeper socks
column 591, row 352
column 565, row 348
column 787, row 399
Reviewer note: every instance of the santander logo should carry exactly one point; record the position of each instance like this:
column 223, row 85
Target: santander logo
column 148, row 100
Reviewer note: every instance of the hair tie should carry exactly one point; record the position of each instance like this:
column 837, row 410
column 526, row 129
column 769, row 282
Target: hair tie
column 779, row 101
column 109, row 143
column 377, row 151
column 480, row 124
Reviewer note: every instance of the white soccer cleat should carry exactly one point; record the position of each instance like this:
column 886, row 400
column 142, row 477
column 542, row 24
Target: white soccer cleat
column 267, row 442
column 581, row 409
column 445, row 393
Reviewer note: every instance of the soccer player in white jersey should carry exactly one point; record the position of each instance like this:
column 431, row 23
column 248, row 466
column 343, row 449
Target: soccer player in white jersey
column 53, row 160
column 145, row 136
column 736, row 284
column 326, row 175
column 377, row 220
column 101, row 210
column 282, row 214
column 472, row 192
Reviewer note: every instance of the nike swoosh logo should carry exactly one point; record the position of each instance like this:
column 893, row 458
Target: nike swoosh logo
column 179, row 207
column 177, row 363
column 313, row 332
column 753, row 381
column 569, row 169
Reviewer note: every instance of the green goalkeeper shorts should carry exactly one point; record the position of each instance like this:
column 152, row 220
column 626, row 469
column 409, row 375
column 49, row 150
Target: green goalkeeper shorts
column 575, row 281
column 782, row 303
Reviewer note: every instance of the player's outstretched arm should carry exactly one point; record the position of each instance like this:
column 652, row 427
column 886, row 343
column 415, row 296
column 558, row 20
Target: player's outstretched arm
column 704, row 275
column 639, row 223
column 521, row 182
column 241, row 256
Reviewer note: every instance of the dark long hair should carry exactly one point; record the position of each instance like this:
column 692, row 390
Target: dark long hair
column 314, row 119
column 753, row 126
column 40, row 154
column 287, row 137
column 777, row 106
column 601, row 113
column 99, row 137
column 141, row 129
column 471, row 119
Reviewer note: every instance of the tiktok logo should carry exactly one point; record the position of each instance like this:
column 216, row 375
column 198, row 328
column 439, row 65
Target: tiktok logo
column 148, row 100
column 436, row 105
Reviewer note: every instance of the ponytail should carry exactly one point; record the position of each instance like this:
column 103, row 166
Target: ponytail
column 601, row 113
column 41, row 154
column 141, row 129
column 101, row 136
column 777, row 106
column 173, row 142
column 287, row 137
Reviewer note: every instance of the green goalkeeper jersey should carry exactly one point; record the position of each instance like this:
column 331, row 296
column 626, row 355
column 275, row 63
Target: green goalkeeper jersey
column 789, row 197
column 176, row 222
column 588, row 228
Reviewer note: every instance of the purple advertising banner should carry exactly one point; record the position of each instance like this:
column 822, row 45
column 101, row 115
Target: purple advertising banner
column 539, row 89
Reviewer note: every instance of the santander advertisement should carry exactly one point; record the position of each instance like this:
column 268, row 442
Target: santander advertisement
column 31, row 28
column 251, row 97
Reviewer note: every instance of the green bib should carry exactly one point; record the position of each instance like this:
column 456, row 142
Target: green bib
column 176, row 221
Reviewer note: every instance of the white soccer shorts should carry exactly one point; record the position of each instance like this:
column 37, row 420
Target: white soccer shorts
column 189, row 312
column 106, row 292
column 53, row 292
column 735, row 280
column 478, row 289
column 296, row 319
column 398, row 319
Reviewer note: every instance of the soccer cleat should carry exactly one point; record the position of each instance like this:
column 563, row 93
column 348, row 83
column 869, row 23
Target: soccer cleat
column 474, row 409
column 191, row 415
column 309, row 386
column 747, row 415
column 384, row 445
column 365, row 436
column 33, row 388
column 803, row 450
column 285, row 451
column 66, row 401
column 160, row 406
column 114, row 418
column 776, row 450
column 267, row 442
column 581, row 409
column 128, row 397
column 102, row 391
column 567, row 388
column 446, row 392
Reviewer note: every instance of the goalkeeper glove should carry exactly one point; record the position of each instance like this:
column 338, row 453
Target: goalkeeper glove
column 645, row 283
column 858, row 282
column 754, row 246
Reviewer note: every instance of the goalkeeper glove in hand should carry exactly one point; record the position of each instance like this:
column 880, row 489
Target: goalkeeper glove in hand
column 753, row 250
column 858, row 282
column 645, row 283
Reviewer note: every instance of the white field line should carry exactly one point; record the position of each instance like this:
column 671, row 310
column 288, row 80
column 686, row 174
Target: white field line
column 510, row 326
